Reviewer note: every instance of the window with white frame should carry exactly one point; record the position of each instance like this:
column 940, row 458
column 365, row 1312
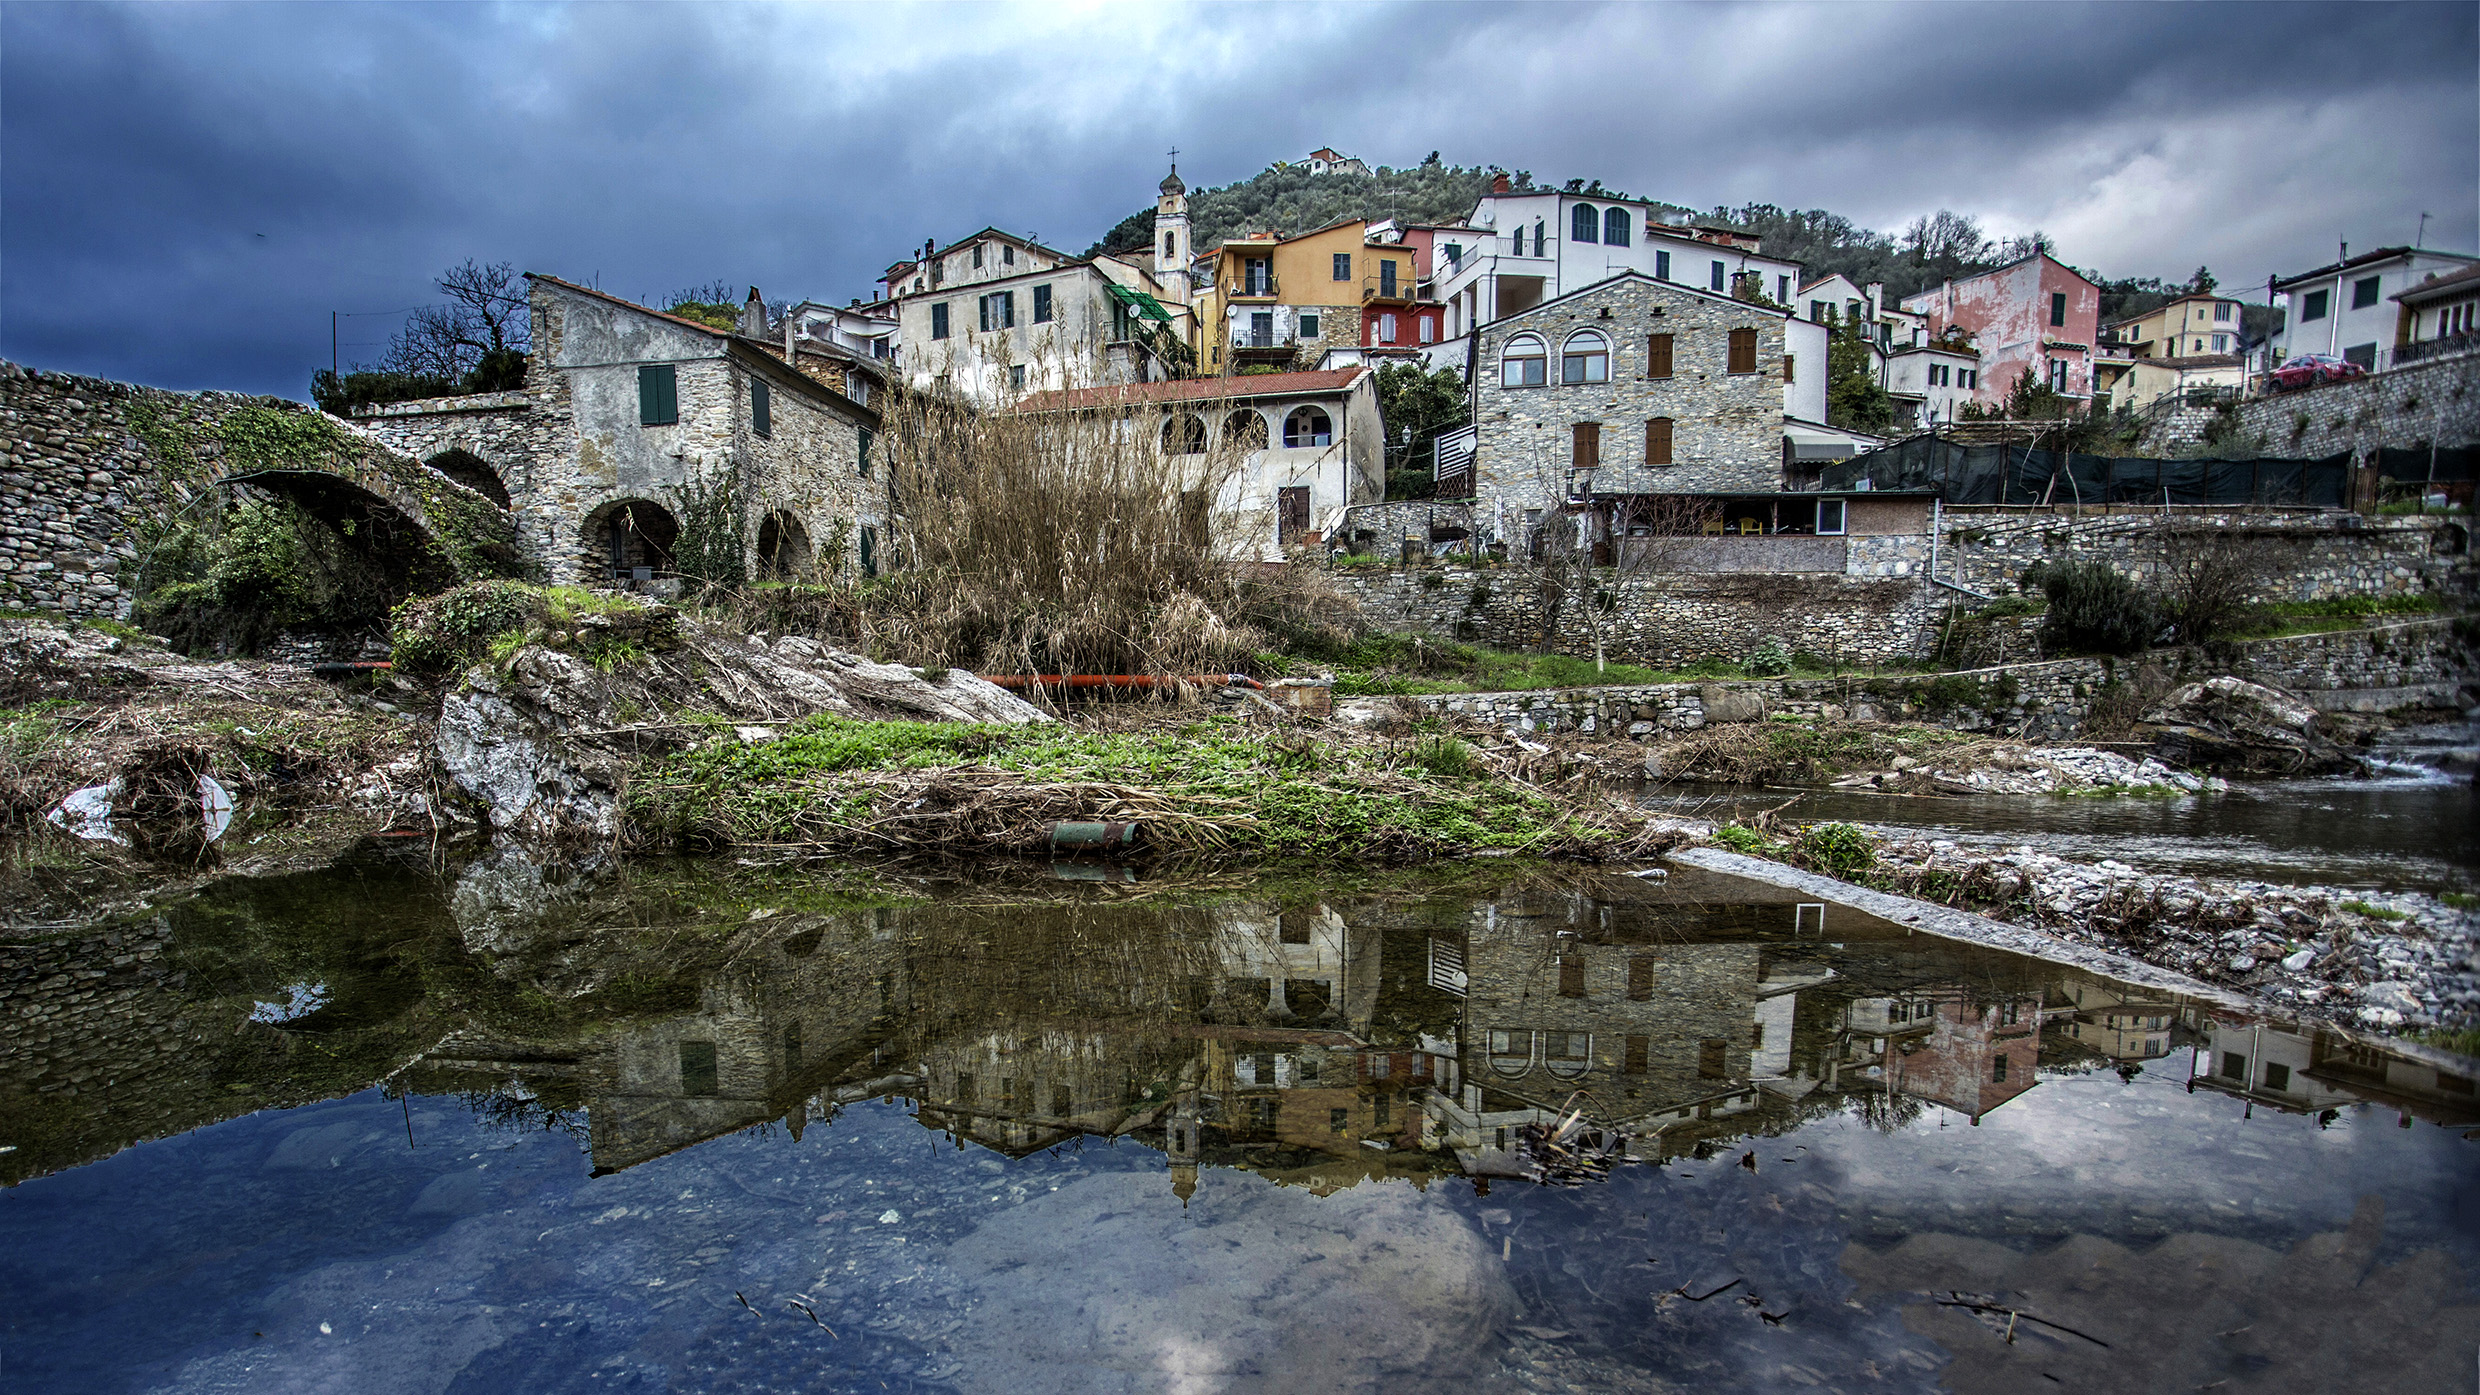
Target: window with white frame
column 1585, row 358
column 1830, row 513
column 1524, row 363
column 1429, row 329
column 2221, row 312
column 1386, row 328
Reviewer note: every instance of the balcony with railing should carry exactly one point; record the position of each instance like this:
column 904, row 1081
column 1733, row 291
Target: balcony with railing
column 2431, row 350
column 1252, row 285
column 1390, row 290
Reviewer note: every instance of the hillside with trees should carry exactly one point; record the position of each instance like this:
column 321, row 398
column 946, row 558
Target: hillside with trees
column 1288, row 199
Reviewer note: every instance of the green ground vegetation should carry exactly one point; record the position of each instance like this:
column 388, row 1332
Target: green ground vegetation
column 1212, row 787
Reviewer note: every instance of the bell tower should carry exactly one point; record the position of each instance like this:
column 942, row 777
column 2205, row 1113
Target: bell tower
column 1171, row 249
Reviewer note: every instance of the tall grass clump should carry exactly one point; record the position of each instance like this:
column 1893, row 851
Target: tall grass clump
column 1095, row 531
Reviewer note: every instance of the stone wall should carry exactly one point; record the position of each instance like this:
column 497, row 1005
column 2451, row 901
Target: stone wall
column 1661, row 619
column 2419, row 661
column 77, row 483
column 2305, row 555
column 2427, row 403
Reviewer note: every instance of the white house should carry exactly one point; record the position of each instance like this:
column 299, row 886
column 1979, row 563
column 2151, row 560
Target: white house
column 1309, row 444
column 2440, row 317
column 2348, row 309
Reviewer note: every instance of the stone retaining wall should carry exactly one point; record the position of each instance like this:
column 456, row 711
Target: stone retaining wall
column 1857, row 620
column 2046, row 701
column 2428, row 403
column 2304, row 556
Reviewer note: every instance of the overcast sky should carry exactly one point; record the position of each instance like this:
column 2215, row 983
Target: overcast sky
column 186, row 191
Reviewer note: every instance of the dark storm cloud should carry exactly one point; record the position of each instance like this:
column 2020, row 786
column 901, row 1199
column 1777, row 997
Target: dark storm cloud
column 190, row 189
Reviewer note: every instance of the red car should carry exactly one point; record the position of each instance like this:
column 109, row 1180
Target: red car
column 2308, row 370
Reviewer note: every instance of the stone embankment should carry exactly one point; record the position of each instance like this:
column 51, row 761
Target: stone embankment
column 2386, row 961
column 2410, row 663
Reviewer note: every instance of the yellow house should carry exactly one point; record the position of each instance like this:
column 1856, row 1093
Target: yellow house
column 2188, row 327
column 1283, row 302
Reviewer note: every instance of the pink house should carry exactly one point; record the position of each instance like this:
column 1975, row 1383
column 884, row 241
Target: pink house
column 2037, row 313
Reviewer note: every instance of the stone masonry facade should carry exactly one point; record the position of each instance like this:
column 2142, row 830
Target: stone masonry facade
column 1726, row 428
column 569, row 449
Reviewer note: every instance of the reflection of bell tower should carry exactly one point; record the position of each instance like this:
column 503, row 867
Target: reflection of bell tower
column 1171, row 250
column 1184, row 1141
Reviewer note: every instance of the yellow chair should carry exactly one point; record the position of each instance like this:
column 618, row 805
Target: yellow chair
column 1713, row 527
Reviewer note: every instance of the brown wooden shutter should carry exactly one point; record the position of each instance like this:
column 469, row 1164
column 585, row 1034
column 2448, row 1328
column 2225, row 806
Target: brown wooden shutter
column 1657, row 356
column 1588, row 453
column 1790, row 367
column 1658, row 441
column 1743, row 351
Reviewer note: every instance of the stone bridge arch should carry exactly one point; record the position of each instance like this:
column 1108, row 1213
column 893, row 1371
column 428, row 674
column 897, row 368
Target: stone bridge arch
column 426, row 529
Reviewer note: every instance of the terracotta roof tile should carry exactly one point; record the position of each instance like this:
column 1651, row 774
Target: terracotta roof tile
column 1193, row 390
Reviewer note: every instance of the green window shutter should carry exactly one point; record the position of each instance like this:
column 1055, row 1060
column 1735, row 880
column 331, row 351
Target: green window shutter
column 761, row 408
column 658, row 395
column 869, row 550
column 866, row 436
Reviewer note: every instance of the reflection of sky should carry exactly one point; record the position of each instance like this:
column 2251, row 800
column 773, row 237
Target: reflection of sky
column 478, row 1258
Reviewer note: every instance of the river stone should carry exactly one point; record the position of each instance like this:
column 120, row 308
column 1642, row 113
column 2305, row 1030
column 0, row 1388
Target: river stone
column 1253, row 1289
column 1723, row 704
column 2233, row 725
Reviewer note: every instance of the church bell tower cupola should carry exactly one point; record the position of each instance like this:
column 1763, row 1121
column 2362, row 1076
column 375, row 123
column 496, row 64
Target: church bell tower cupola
column 1171, row 247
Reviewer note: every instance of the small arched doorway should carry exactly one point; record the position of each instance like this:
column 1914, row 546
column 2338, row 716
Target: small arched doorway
column 784, row 551
column 473, row 472
column 632, row 540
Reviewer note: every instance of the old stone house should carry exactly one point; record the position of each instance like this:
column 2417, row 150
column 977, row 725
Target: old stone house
column 639, row 433
column 1631, row 385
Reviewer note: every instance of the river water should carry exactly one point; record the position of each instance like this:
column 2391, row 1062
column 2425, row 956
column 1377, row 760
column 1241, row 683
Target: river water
column 415, row 1123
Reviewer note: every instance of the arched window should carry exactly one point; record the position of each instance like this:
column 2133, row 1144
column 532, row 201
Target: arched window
column 1308, row 426
column 1244, row 430
column 1526, row 363
column 1585, row 358
column 1585, row 224
column 1184, row 435
column 1615, row 227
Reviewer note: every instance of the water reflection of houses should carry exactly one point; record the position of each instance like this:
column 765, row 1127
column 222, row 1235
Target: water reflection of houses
column 1320, row 1044
column 2319, row 1069
column 2118, row 1021
column 1668, row 1025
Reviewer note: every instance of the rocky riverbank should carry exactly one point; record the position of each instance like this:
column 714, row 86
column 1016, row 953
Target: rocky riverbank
column 2392, row 962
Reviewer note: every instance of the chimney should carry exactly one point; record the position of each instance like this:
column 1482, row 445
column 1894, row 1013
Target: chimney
column 1499, row 185
column 753, row 315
